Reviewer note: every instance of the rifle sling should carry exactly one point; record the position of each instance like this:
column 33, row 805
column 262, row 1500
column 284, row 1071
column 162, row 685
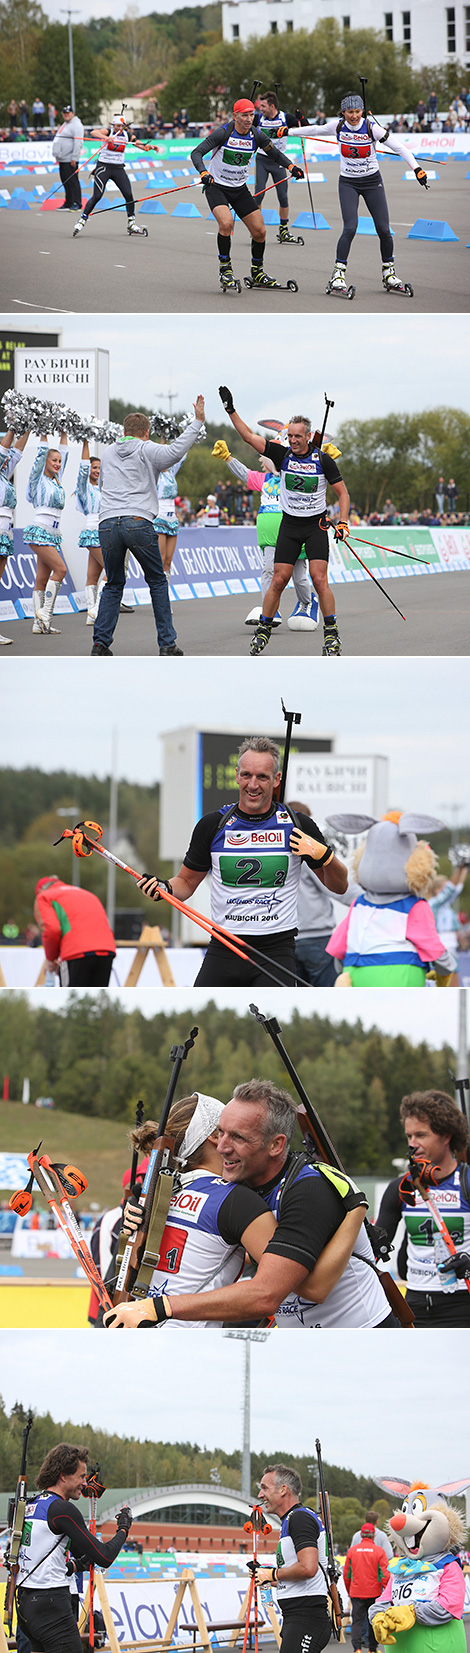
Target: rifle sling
column 153, row 1239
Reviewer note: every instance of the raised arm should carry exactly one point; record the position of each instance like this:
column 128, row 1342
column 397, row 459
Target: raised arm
column 254, row 441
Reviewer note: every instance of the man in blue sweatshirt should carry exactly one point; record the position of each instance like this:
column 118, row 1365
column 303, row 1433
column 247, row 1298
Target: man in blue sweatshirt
column 128, row 507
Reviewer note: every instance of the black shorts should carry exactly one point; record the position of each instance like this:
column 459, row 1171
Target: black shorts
column 306, row 1628
column 89, row 970
column 297, row 532
column 221, row 968
column 46, row 1618
column 220, row 195
column 440, row 1308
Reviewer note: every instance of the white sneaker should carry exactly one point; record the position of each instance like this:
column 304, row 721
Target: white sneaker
column 5, row 639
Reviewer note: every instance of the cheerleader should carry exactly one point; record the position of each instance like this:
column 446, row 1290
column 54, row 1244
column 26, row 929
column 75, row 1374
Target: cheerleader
column 46, row 493
column 166, row 523
column 11, row 448
column 87, row 498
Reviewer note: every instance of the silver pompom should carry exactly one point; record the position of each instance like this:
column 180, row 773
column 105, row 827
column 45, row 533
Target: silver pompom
column 459, row 855
column 168, row 428
column 30, row 413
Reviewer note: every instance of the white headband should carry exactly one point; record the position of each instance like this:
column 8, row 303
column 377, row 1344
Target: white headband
column 204, row 1121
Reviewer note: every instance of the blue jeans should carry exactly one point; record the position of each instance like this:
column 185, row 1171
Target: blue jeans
column 312, row 962
column 136, row 534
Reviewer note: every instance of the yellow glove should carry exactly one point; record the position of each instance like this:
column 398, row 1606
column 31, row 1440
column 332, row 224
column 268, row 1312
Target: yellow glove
column 329, row 448
column 401, row 1618
column 381, row 1629
column 301, row 844
column 221, row 451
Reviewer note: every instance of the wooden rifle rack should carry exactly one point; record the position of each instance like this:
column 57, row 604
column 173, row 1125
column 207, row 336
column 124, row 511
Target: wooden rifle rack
column 187, row 1581
column 150, row 941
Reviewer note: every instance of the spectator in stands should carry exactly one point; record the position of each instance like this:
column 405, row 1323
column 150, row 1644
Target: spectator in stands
column 152, row 113
column 432, row 105
column 38, row 114
column 51, row 116
column 440, row 494
column 13, row 112
column 420, row 113
column 452, row 494
column 24, row 117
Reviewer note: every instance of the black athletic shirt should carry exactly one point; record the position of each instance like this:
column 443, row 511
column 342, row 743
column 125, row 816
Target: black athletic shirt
column 198, row 855
column 64, row 1517
column 311, row 1212
column 241, row 1207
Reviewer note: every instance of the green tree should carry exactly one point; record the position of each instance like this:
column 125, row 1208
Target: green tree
column 94, row 82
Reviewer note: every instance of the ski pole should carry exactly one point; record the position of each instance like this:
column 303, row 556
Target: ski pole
column 60, row 184
column 372, row 577
column 56, row 1182
column 215, row 930
column 310, row 196
column 196, row 183
column 437, row 1215
column 392, row 550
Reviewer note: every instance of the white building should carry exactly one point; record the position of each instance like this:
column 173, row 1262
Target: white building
column 431, row 31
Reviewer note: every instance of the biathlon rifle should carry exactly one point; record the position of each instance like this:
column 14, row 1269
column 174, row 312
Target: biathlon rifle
column 16, row 1512
column 334, row 1572
column 289, row 718
column 317, row 437
column 141, row 1253
column 313, row 1130
column 60, row 1184
column 115, row 1266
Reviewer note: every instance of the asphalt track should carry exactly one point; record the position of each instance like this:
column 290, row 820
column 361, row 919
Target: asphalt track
column 176, row 270
column 436, row 608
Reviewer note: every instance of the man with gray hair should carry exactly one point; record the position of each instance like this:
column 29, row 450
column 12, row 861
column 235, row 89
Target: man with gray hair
column 320, row 1216
column 304, row 471
column 251, row 849
column 300, row 1576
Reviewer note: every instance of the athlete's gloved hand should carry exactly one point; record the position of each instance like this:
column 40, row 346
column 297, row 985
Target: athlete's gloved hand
column 154, row 887
column 459, row 1265
column 124, row 1519
column 303, row 120
column 263, row 1575
column 422, row 176
column 226, row 399
column 401, row 1617
column 221, row 451
column 302, row 844
column 206, row 179
column 281, row 132
column 296, row 172
column 95, row 1487
column 423, row 1172
column 341, row 530
column 132, row 1218
column 154, row 1311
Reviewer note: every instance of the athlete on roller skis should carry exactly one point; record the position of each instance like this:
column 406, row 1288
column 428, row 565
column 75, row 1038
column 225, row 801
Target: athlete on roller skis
column 268, row 118
column 304, row 616
column 223, row 160
column 110, row 168
column 358, row 134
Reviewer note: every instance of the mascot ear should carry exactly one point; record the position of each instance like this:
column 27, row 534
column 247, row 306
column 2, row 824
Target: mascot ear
column 454, row 1487
column 411, row 822
column 351, row 823
column 392, row 1485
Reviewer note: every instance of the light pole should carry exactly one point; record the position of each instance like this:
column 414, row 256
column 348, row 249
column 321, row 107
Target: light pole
column 74, row 812
column 69, row 14
column 169, row 396
column 247, row 1337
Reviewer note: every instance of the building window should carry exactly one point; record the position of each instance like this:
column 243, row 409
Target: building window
column 388, row 20
column 346, row 22
column 289, row 26
column 450, row 14
column 406, row 17
column 273, row 28
column 235, row 31
column 467, row 28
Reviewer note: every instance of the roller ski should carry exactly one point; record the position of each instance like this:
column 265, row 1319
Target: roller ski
column 261, row 636
column 136, row 229
column 331, row 640
column 254, row 616
column 392, row 283
column 259, row 279
column 284, row 234
column 338, row 284
column 228, row 280
column 80, row 225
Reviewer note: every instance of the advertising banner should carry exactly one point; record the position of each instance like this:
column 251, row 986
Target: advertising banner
column 141, row 1610
column 226, row 562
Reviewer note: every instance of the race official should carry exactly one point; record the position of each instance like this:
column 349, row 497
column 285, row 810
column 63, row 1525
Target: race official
column 77, row 939
column 365, row 1575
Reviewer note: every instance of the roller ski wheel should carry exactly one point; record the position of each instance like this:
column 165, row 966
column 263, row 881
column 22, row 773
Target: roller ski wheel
column 228, row 282
column 136, row 229
column 272, row 285
column 80, row 225
column 392, row 284
column 340, row 292
column 292, row 240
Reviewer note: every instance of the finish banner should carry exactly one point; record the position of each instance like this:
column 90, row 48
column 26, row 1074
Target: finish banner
column 227, row 562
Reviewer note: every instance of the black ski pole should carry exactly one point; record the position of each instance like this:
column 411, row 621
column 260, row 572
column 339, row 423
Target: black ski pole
column 255, row 88
column 290, row 718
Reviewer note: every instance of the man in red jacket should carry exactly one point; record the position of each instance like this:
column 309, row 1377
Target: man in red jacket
column 75, row 933
column 365, row 1574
